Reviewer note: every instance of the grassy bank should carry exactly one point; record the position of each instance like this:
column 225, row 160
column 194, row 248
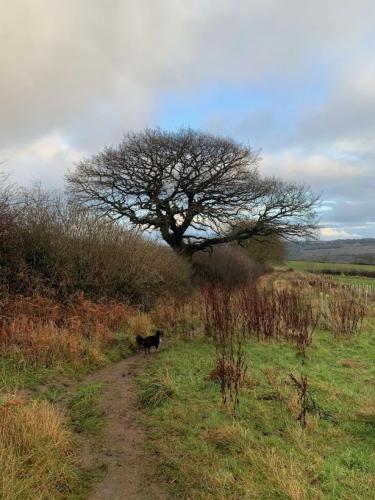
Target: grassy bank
column 264, row 452
column 43, row 410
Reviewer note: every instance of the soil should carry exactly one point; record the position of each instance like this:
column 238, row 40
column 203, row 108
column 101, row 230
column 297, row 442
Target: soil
column 130, row 472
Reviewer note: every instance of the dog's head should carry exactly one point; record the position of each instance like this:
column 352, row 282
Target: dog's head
column 160, row 333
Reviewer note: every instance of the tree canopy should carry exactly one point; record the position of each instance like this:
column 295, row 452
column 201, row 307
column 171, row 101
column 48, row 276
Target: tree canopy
column 191, row 187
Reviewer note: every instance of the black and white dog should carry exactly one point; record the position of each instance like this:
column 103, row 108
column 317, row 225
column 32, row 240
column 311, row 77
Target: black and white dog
column 151, row 341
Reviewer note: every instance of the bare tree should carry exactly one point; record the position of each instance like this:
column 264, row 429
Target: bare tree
column 191, row 186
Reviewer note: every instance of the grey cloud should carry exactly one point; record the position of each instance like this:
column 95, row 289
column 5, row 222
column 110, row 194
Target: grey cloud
column 350, row 213
column 103, row 60
column 347, row 115
column 77, row 73
column 255, row 128
column 349, row 186
column 107, row 61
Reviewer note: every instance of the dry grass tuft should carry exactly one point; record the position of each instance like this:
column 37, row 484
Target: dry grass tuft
column 139, row 323
column 367, row 412
column 229, row 437
column 158, row 390
column 285, row 478
column 353, row 363
column 35, row 451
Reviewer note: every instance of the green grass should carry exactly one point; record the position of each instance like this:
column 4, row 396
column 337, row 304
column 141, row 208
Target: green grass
column 16, row 374
column 303, row 265
column 156, row 392
column 355, row 280
column 52, row 386
column 264, row 453
column 83, row 411
column 350, row 272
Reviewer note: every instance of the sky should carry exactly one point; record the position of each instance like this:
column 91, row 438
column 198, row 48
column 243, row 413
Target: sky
column 294, row 80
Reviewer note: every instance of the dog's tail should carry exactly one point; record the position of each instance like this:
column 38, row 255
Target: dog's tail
column 140, row 340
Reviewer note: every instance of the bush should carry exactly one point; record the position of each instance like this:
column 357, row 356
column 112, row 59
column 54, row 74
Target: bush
column 265, row 250
column 225, row 266
column 55, row 249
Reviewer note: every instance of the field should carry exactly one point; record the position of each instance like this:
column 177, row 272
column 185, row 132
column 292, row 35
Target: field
column 264, row 453
column 345, row 273
column 196, row 446
column 302, row 265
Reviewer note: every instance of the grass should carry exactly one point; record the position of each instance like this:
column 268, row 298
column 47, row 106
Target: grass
column 265, row 453
column 202, row 451
column 36, row 451
column 16, row 374
column 303, row 265
column 351, row 273
column 355, row 280
column 37, row 442
column 83, row 412
column 155, row 392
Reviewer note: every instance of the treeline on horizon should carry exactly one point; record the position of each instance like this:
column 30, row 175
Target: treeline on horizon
column 350, row 251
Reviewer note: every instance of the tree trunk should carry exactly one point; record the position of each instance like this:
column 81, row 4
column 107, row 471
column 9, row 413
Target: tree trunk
column 180, row 248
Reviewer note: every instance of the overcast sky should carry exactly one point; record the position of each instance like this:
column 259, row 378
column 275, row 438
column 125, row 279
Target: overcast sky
column 293, row 78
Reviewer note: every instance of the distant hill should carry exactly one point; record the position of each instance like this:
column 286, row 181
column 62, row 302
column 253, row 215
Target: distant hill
column 361, row 251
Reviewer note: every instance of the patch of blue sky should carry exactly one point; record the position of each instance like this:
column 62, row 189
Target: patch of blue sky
column 230, row 106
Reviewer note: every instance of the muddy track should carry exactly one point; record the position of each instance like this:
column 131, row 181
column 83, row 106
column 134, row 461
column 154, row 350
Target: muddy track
column 129, row 471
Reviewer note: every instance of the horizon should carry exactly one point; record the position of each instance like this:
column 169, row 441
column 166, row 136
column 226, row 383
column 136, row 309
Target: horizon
column 294, row 81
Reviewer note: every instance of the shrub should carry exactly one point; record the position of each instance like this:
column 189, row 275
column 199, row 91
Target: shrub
column 219, row 317
column 345, row 314
column 51, row 247
column 265, row 250
column 226, row 266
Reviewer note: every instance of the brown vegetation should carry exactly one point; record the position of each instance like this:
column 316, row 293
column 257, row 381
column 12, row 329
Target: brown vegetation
column 303, row 396
column 226, row 266
column 345, row 314
column 277, row 314
column 220, row 321
column 39, row 331
column 36, row 451
column 56, row 250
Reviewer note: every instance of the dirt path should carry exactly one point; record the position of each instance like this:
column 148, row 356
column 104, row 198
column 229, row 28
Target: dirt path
column 122, row 450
